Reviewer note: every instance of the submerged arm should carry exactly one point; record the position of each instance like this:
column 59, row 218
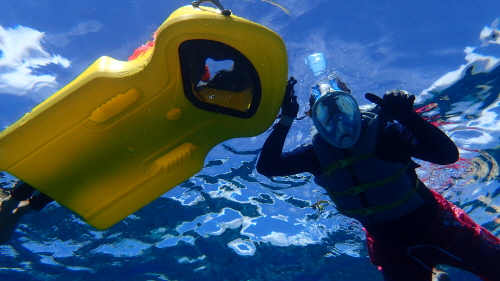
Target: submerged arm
column 427, row 142
column 430, row 143
column 273, row 162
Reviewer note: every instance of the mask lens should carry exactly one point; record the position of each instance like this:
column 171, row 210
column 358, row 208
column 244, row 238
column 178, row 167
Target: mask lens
column 337, row 118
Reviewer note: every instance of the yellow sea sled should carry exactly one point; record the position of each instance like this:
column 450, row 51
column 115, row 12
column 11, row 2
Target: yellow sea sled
column 124, row 133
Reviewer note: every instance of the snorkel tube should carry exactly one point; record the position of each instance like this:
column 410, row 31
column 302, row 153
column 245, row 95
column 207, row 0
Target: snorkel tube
column 335, row 112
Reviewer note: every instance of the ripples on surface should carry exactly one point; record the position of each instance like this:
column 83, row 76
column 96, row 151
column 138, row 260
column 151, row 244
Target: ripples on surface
column 230, row 223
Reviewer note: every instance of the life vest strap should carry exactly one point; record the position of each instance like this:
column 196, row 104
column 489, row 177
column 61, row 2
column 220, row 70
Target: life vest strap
column 342, row 163
column 378, row 209
column 364, row 187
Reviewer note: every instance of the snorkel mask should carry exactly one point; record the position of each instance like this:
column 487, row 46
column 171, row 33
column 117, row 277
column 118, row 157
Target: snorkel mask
column 335, row 114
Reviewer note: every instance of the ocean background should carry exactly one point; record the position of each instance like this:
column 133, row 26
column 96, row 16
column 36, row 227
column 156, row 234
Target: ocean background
column 228, row 222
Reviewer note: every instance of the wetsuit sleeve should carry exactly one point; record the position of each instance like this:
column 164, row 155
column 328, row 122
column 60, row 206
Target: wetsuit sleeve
column 273, row 162
column 428, row 142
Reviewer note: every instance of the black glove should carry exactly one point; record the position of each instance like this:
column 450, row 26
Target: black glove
column 396, row 103
column 290, row 106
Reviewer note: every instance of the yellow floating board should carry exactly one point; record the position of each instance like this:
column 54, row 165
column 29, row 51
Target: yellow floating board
column 124, row 133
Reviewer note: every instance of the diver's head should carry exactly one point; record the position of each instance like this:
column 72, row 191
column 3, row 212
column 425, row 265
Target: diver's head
column 335, row 115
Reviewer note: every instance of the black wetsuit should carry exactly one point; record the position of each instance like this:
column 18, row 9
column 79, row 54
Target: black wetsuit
column 23, row 191
column 413, row 137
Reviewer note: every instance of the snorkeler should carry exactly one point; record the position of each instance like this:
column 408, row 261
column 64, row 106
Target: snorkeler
column 17, row 203
column 364, row 162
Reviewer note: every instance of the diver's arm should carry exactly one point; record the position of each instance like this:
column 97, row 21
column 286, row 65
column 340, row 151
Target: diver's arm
column 426, row 141
column 273, row 162
column 270, row 162
column 429, row 142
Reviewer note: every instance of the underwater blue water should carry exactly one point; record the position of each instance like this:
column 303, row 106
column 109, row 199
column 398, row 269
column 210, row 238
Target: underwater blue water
column 228, row 222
